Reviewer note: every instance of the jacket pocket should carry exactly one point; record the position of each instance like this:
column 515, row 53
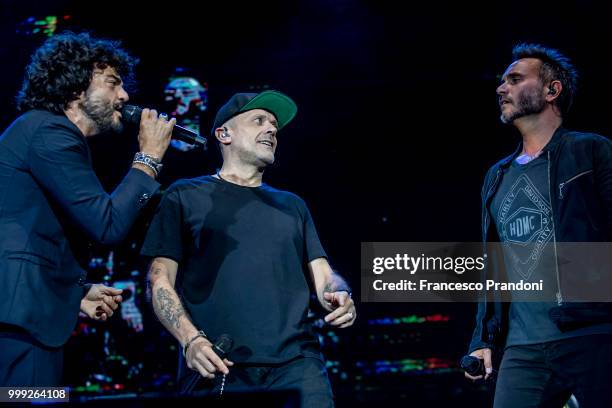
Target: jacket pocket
column 572, row 179
column 31, row 257
column 40, row 250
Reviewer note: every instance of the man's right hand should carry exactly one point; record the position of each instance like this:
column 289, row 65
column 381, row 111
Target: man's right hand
column 485, row 355
column 201, row 357
column 155, row 133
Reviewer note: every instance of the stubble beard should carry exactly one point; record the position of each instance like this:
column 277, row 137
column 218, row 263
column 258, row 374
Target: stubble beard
column 101, row 113
column 529, row 102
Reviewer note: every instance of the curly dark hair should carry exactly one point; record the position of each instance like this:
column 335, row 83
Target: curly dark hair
column 555, row 66
column 63, row 67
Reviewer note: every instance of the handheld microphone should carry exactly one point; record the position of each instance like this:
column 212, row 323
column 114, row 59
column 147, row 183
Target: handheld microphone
column 223, row 345
column 131, row 114
column 472, row 365
column 126, row 294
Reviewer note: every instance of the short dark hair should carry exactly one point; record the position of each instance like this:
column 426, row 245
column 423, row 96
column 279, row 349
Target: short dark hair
column 63, row 67
column 555, row 66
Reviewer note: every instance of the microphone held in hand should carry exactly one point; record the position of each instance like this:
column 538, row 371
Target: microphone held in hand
column 472, row 365
column 131, row 114
column 126, row 294
column 223, row 345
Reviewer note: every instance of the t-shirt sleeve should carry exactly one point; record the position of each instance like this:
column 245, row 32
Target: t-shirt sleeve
column 313, row 247
column 164, row 236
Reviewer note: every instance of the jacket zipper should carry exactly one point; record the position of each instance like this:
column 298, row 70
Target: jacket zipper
column 572, row 179
column 552, row 214
column 490, row 337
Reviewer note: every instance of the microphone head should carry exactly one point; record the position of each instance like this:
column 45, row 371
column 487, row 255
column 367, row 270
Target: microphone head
column 126, row 294
column 472, row 365
column 223, row 345
column 131, row 114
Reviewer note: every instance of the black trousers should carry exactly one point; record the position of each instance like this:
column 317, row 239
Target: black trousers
column 305, row 375
column 27, row 363
column 546, row 374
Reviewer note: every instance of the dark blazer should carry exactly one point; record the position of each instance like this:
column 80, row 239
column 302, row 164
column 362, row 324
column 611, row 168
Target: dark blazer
column 52, row 206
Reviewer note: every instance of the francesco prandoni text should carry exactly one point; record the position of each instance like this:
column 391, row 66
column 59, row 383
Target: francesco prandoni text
column 424, row 284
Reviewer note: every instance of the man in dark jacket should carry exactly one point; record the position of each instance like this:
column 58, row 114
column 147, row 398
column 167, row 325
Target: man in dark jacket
column 52, row 205
column 554, row 190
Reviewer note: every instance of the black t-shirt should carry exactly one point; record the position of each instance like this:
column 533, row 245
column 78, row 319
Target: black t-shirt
column 242, row 255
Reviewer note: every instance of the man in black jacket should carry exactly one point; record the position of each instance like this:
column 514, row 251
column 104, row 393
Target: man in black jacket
column 555, row 189
column 52, row 205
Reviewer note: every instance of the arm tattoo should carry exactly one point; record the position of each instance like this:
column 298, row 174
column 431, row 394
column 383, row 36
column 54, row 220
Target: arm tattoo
column 170, row 311
column 336, row 283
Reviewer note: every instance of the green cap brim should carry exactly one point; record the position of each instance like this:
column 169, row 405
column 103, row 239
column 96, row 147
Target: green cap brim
column 279, row 104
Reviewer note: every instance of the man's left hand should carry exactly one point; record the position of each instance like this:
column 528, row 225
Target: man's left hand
column 101, row 301
column 343, row 309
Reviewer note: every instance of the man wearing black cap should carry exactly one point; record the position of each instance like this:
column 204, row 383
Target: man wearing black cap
column 239, row 261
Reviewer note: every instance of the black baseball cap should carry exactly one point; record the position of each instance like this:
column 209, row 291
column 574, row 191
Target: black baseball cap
column 277, row 103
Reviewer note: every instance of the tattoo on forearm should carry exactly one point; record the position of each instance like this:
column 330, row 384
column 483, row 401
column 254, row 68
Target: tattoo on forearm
column 170, row 311
column 335, row 283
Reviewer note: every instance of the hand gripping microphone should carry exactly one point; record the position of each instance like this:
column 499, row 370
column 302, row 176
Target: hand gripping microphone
column 223, row 345
column 472, row 365
column 131, row 114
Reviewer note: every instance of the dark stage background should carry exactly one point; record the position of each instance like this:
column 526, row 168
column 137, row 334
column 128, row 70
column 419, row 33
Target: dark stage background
column 397, row 124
